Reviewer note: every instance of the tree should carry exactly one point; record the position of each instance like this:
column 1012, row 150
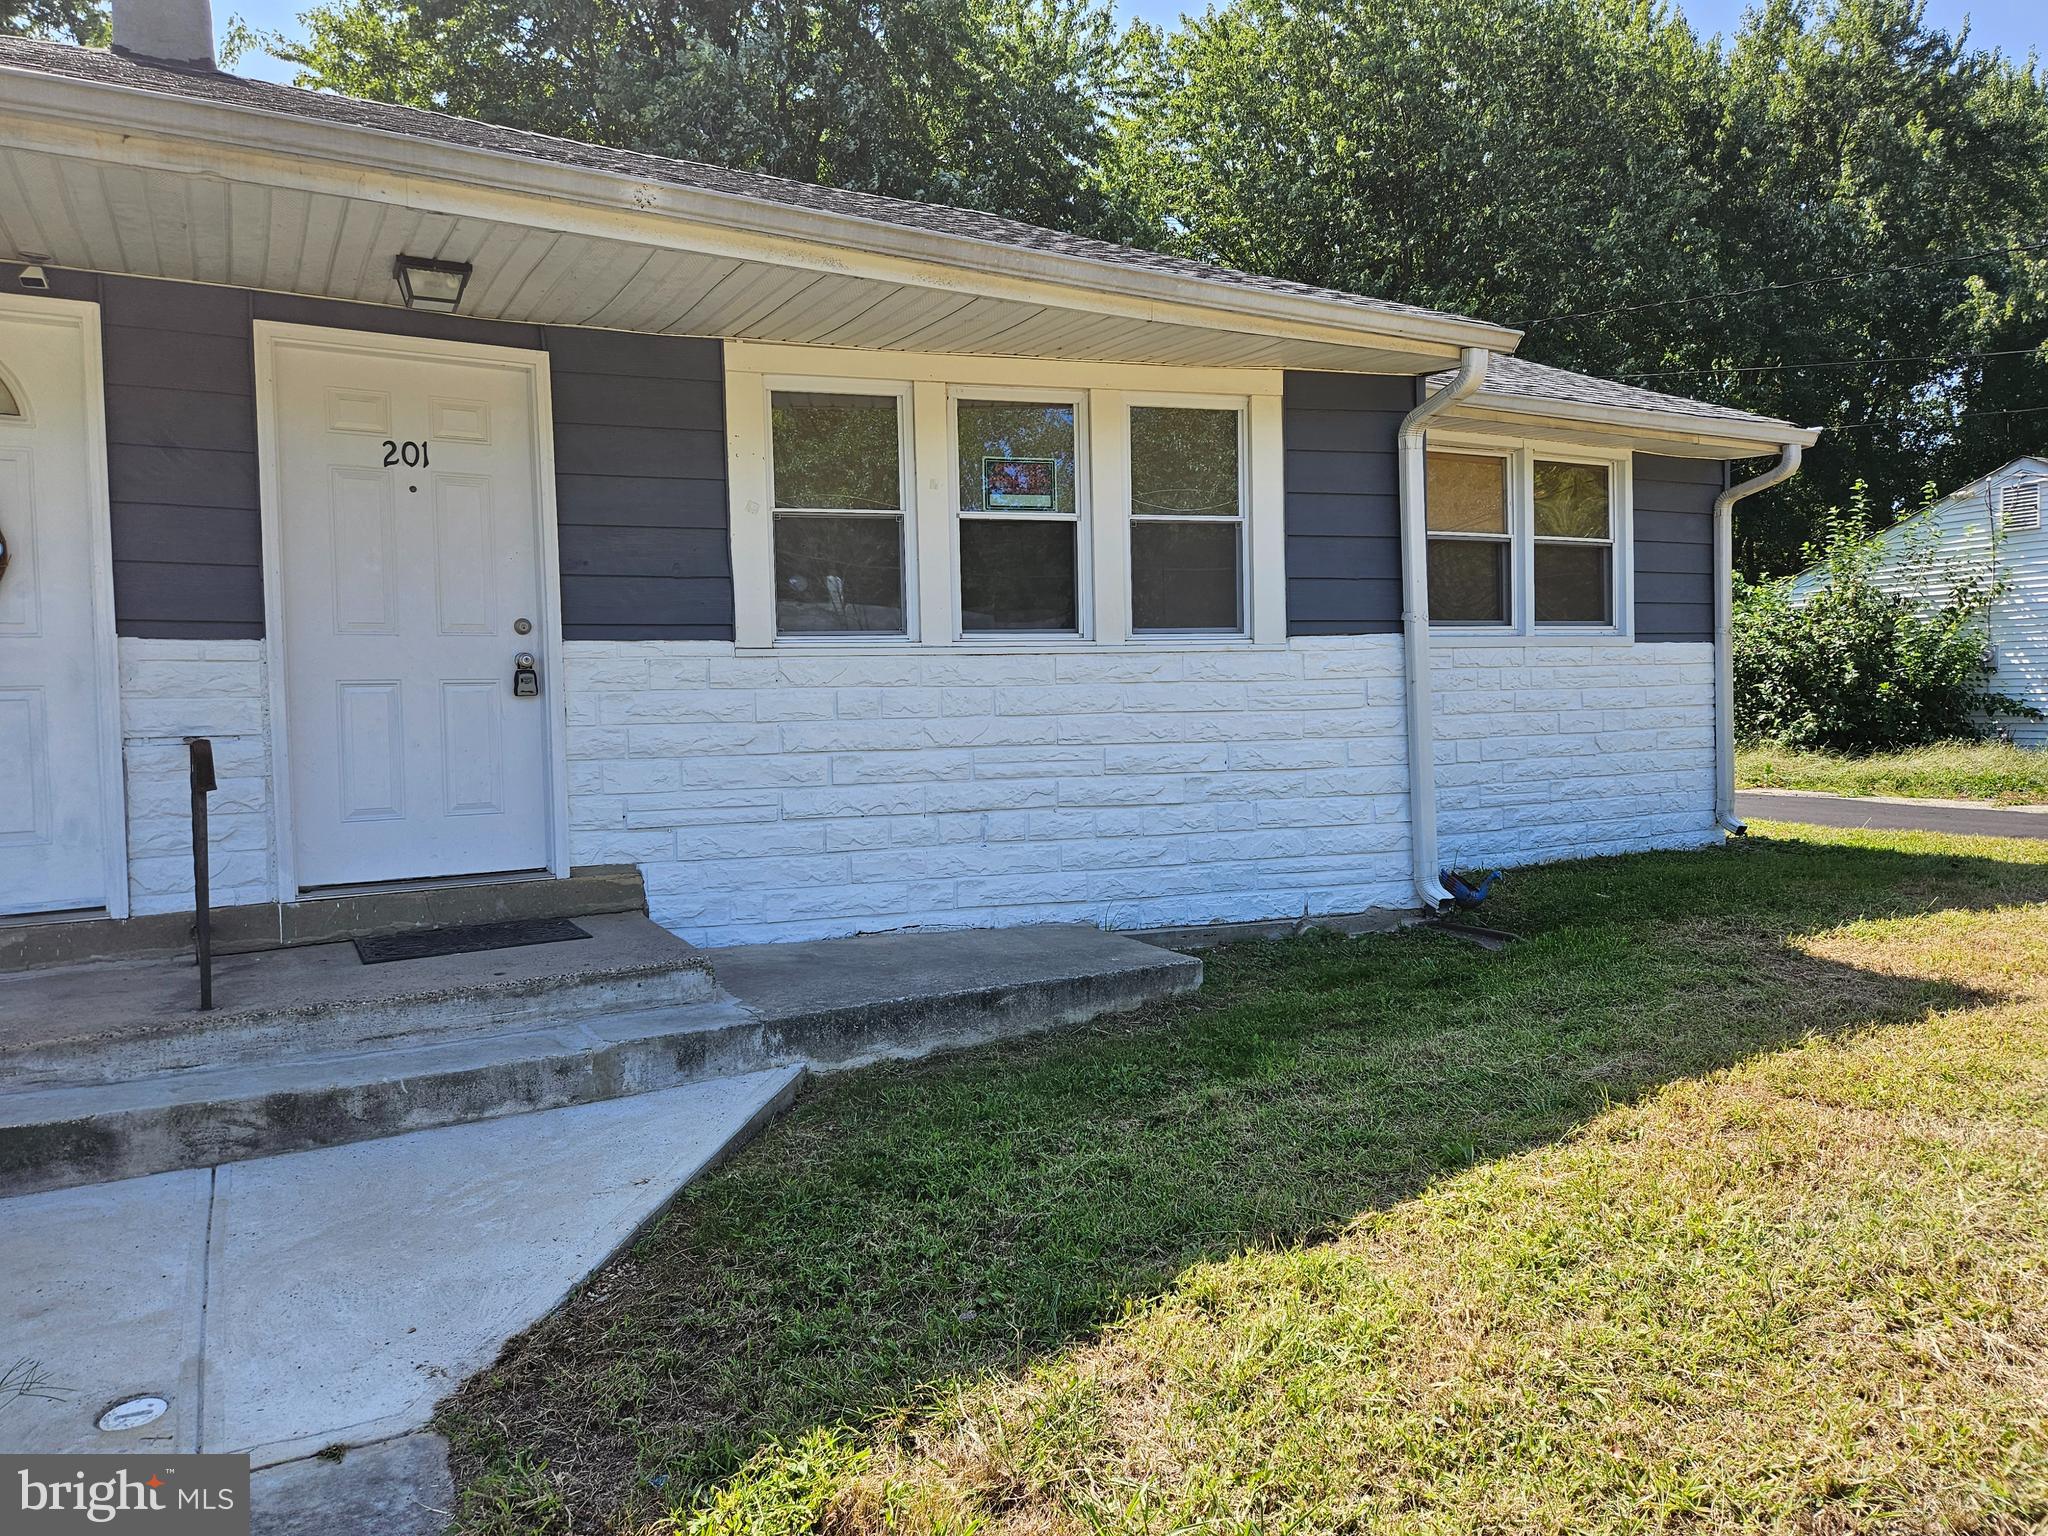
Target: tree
column 1592, row 170
column 66, row 21
column 992, row 104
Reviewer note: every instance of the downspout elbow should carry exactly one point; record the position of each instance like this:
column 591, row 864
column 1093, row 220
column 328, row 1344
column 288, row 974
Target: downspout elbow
column 1421, row 707
column 1789, row 456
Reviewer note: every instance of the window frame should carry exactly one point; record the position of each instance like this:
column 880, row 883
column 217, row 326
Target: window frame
column 1182, row 400
column 1081, row 518
column 932, row 382
column 906, row 496
column 1522, row 454
column 1506, row 537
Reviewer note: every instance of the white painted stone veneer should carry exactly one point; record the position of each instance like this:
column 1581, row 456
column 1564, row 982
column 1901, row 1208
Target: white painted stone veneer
column 798, row 796
column 1558, row 751
column 171, row 689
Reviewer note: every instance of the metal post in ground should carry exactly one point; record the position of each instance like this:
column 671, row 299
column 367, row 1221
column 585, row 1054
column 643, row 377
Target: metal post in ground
column 201, row 751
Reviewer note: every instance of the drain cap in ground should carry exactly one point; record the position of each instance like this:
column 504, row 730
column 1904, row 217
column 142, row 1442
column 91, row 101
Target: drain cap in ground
column 133, row 1413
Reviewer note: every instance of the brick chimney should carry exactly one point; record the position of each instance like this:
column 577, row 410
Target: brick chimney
column 178, row 33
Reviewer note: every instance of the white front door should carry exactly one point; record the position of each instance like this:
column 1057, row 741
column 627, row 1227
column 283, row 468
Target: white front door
column 408, row 520
column 56, row 798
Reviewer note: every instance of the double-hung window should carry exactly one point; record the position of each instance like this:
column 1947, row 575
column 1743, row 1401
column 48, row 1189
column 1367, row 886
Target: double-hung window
column 1187, row 519
column 1574, row 542
column 1020, row 514
column 1470, row 543
column 1523, row 540
column 837, row 468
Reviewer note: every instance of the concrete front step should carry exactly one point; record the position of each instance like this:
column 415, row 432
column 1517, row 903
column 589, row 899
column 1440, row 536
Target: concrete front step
column 114, row 1022
column 824, row 1005
column 842, row 1002
column 53, row 1138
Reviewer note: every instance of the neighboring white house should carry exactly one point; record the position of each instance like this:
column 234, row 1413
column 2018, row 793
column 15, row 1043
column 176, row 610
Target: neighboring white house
column 1953, row 540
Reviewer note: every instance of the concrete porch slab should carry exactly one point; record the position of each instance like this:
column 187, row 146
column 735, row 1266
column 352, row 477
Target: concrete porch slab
column 841, row 1002
column 117, row 1019
column 291, row 1303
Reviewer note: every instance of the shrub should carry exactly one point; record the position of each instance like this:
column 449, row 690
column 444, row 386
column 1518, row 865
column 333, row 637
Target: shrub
column 1855, row 663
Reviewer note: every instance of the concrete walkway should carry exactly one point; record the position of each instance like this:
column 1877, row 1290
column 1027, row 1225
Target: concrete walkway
column 288, row 1304
column 1962, row 818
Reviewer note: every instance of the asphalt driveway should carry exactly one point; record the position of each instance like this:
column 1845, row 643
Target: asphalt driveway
column 1958, row 818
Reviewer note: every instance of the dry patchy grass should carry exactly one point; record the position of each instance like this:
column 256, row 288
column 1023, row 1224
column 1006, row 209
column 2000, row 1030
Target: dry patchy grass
column 1955, row 770
column 1719, row 1203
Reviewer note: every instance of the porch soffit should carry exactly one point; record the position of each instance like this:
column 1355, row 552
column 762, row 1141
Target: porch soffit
column 107, row 203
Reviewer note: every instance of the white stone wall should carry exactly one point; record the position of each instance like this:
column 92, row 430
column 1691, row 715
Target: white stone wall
column 800, row 796
column 1557, row 751
column 171, row 689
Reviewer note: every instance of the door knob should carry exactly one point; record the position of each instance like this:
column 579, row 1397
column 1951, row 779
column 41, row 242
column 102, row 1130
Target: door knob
column 525, row 676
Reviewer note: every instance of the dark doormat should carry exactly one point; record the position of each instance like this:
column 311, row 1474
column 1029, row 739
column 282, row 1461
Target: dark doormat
column 466, row 940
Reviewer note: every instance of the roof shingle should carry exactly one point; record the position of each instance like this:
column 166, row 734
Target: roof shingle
column 1518, row 378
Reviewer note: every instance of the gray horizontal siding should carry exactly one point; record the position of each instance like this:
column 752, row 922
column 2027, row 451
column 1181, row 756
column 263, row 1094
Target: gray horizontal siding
column 639, row 447
column 1343, row 504
column 181, row 460
column 1674, row 547
column 640, row 486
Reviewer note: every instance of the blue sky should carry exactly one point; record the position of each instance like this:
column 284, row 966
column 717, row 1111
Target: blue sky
column 2017, row 26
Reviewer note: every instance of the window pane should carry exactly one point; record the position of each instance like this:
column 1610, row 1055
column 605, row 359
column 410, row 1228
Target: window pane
column 837, row 451
column 1468, row 581
column 1184, row 576
column 1016, row 456
column 1183, row 461
column 1571, row 501
column 1466, row 493
column 1017, row 575
column 1574, row 584
column 838, row 574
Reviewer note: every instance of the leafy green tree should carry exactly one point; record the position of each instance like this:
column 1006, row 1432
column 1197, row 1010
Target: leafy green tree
column 66, row 21
column 992, row 104
column 1879, row 649
column 1592, row 169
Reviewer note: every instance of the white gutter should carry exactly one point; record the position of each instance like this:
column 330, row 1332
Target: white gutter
column 1471, row 375
column 1787, row 466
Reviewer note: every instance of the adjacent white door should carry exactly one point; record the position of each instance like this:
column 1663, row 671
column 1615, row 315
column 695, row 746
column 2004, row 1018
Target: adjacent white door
column 59, row 774
column 410, row 574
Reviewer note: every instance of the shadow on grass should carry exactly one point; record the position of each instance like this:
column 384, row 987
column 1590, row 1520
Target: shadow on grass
column 909, row 1226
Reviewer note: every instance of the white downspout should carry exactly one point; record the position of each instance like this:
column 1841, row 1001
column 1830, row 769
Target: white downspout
column 1724, row 625
column 1415, row 622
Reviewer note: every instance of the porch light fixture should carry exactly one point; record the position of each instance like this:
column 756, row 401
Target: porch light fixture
column 429, row 284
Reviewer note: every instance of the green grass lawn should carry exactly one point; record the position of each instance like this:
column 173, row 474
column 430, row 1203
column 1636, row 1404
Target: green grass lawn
column 1719, row 1202
column 1957, row 770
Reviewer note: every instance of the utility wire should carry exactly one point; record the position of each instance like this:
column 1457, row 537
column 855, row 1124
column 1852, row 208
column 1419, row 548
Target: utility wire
column 1847, row 362
column 1804, row 282
column 1857, row 426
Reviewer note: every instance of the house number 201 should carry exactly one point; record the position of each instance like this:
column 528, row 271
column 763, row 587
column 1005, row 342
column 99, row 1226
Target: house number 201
column 411, row 455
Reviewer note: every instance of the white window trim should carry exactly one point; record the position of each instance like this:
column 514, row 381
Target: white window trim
column 906, row 496
column 1522, row 454
column 1241, row 406
column 931, row 383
